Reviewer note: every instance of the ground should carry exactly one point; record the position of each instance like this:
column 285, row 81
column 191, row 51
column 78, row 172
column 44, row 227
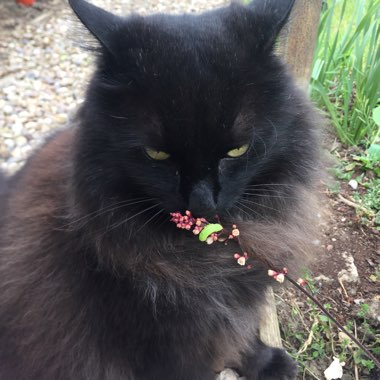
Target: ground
column 39, row 73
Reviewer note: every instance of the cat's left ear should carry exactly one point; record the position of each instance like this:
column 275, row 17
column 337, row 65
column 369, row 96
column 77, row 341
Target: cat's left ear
column 272, row 15
column 100, row 23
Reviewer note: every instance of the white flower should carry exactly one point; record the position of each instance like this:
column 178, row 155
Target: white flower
column 335, row 370
column 280, row 278
column 210, row 240
column 241, row 260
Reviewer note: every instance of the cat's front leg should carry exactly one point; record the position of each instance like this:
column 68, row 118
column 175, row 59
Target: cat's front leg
column 267, row 363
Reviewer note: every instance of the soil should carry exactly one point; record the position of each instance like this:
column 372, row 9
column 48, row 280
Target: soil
column 342, row 232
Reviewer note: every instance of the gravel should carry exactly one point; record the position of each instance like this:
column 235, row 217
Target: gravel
column 43, row 70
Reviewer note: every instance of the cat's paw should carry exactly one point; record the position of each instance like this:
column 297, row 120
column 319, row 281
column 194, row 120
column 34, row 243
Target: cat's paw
column 280, row 367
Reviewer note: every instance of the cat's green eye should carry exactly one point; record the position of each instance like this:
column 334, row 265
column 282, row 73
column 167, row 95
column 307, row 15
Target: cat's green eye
column 156, row 154
column 237, row 152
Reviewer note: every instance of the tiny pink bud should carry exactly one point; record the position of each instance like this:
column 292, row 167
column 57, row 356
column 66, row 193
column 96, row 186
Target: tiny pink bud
column 188, row 213
column 272, row 273
column 235, row 232
column 236, row 256
column 301, row 282
column 210, row 240
column 234, row 226
column 249, row 266
column 280, row 278
column 241, row 260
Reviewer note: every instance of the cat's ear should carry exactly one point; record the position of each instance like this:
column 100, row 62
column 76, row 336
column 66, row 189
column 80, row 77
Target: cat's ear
column 100, row 23
column 272, row 15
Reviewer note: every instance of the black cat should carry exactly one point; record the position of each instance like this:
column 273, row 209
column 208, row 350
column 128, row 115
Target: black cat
column 190, row 112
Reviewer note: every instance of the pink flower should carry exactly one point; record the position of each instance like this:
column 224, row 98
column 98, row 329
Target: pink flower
column 301, row 282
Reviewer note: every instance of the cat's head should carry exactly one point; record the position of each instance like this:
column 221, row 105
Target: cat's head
column 193, row 111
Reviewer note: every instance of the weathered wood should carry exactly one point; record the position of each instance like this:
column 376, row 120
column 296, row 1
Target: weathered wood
column 298, row 39
column 269, row 328
column 296, row 46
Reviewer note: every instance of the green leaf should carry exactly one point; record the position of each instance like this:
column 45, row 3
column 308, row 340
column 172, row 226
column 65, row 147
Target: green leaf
column 374, row 152
column 350, row 167
column 208, row 230
column 376, row 115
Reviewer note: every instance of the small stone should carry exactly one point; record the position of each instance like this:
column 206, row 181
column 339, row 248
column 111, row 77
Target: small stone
column 31, row 125
column 7, row 109
column 374, row 310
column 21, row 141
column 329, row 247
column 353, row 183
column 17, row 128
column 350, row 274
column 323, row 278
column 61, row 118
column 9, row 143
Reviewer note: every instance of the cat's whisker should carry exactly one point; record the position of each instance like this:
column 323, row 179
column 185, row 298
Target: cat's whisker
column 149, row 220
column 275, row 131
column 268, row 195
column 119, row 117
column 265, row 145
column 116, row 225
column 283, row 222
column 164, row 219
column 263, row 189
column 258, row 204
column 285, row 185
column 245, row 212
column 109, row 208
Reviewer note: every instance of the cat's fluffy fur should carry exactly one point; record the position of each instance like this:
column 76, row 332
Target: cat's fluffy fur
column 95, row 282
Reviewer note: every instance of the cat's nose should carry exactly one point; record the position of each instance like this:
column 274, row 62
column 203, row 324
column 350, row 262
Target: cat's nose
column 201, row 200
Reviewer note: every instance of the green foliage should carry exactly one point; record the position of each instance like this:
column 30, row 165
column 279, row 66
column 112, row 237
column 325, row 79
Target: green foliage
column 371, row 159
column 345, row 76
column 310, row 338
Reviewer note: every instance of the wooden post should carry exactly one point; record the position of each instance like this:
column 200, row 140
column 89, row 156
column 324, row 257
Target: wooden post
column 298, row 39
column 296, row 46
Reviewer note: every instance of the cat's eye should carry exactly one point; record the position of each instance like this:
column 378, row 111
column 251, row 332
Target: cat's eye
column 237, row 152
column 156, row 154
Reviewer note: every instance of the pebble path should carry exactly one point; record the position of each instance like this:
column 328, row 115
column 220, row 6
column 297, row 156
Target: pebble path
column 44, row 71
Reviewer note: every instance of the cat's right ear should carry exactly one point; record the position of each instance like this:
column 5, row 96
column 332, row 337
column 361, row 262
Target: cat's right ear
column 271, row 15
column 100, row 23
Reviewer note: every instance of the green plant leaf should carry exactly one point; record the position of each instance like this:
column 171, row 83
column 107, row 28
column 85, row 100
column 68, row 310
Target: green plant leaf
column 374, row 152
column 376, row 115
